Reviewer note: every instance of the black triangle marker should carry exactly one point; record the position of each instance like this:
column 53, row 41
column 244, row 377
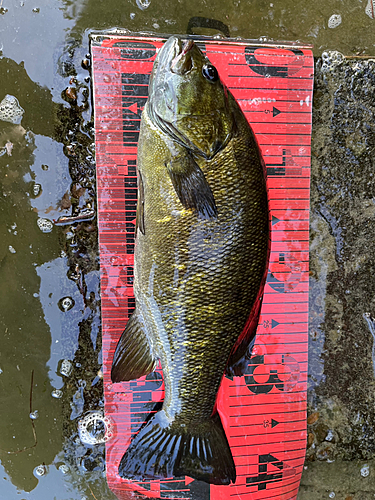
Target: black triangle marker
column 275, row 220
column 275, row 112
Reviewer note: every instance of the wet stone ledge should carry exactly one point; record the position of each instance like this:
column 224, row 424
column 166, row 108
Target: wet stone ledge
column 341, row 383
column 354, row 480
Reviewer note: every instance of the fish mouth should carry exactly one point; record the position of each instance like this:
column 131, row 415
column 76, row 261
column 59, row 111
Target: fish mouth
column 182, row 62
column 176, row 57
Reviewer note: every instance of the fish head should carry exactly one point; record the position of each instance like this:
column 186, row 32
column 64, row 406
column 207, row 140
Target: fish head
column 187, row 99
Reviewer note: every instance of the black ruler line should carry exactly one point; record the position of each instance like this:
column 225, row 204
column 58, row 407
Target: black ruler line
column 284, row 422
column 296, row 458
column 271, row 443
column 263, row 89
column 277, row 486
column 275, row 431
column 261, row 413
column 273, row 394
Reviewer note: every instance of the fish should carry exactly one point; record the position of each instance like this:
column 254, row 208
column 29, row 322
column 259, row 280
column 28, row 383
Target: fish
column 201, row 258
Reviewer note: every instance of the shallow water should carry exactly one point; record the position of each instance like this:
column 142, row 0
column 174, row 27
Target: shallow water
column 49, row 172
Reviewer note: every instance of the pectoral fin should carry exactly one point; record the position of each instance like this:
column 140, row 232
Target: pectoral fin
column 191, row 185
column 140, row 217
column 133, row 356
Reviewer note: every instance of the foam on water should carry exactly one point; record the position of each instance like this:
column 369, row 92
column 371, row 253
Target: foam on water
column 10, row 110
column 95, row 428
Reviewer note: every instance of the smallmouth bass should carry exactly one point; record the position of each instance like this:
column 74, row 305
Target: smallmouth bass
column 201, row 256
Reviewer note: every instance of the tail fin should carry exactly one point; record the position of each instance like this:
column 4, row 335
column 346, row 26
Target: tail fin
column 164, row 449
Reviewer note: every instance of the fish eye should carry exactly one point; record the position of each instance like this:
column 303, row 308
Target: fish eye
column 210, row 73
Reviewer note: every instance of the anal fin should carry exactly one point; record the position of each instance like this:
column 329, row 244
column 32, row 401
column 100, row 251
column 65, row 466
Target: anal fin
column 133, row 357
column 241, row 353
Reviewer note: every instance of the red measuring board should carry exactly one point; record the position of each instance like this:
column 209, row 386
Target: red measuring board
column 263, row 412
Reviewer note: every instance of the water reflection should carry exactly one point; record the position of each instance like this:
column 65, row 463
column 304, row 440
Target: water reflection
column 24, row 335
column 303, row 21
column 36, row 335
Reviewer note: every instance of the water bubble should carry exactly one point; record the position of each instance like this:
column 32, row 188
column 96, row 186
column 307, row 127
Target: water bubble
column 9, row 148
column 73, row 275
column 41, row 470
column 11, row 249
column 57, row 393
column 45, row 225
column 37, row 189
column 45, row 167
column 34, row 415
column 143, row 4
column 329, row 436
column 82, row 383
column 64, row 468
column 10, row 110
column 36, row 10
column 334, row 21
column 94, row 428
column 66, row 367
column 132, row 15
column 365, row 470
column 332, row 494
column 263, row 39
column 65, row 304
